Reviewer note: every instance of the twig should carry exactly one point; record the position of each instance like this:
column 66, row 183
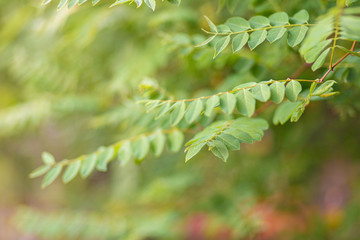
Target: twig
column 331, row 68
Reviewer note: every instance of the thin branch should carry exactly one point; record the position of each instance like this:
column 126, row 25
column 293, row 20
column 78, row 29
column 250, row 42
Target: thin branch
column 115, row 145
column 331, row 68
column 258, row 29
column 222, row 93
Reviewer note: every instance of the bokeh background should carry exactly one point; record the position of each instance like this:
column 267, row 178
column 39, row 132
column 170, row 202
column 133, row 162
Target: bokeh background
column 69, row 81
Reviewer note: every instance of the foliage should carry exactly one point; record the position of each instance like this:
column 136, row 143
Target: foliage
column 72, row 3
column 140, row 83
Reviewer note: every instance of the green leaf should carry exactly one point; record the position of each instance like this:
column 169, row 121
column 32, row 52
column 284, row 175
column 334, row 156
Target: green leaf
column 312, row 88
column 275, row 34
column 279, row 19
column 138, row 3
column 221, row 44
column 141, row 147
column 219, row 150
column 320, row 61
column 206, row 41
column 71, row 171
column 284, row 111
column 293, row 88
column 230, row 141
column 259, row 22
column 175, row 140
column 295, row 116
column 82, row 1
column 246, row 85
column 245, row 103
column 223, row 29
column 296, row 35
column 51, row 175
column 228, row 102
column 125, row 153
column 211, row 103
column 151, row 4
column 194, row 110
column 256, row 38
column 176, row 2
column 104, row 157
column 178, row 113
column 311, row 55
column 241, row 136
column 62, row 3
column 166, row 107
column 151, row 105
column 239, row 41
column 277, row 91
column 88, row 165
column 48, row 158
column 323, row 88
column 44, row 2
column 350, row 27
column 158, row 143
column 261, row 92
column 72, row 3
column 211, row 25
column 94, row 2
column 237, row 24
column 301, row 17
column 39, row 171
column 193, row 150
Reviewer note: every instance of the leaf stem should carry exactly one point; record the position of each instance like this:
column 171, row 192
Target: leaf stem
column 257, row 29
column 115, row 145
column 222, row 93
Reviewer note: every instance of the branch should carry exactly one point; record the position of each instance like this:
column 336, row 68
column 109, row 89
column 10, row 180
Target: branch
column 331, row 68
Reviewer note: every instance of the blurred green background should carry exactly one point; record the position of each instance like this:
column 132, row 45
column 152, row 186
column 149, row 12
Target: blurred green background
column 69, row 81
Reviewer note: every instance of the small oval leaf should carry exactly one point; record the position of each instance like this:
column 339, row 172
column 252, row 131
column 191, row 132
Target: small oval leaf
column 279, row 19
column 104, row 158
column 245, row 103
column 259, row 22
column 256, row 38
column 151, row 4
column 40, row 171
column 320, row 61
column 193, row 150
column 194, row 110
column 228, row 102
column 211, row 103
column 141, row 147
column 275, row 34
column 178, row 113
column 88, row 165
column 51, row 175
column 48, row 158
column 221, row 44
column 293, row 88
column 261, row 92
column 238, row 24
column 158, row 143
column 296, row 35
column 219, row 150
column 239, row 41
column 124, row 153
column 71, row 171
column 175, row 140
column 277, row 91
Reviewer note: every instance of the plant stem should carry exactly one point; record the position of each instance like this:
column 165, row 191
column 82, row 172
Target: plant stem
column 331, row 67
